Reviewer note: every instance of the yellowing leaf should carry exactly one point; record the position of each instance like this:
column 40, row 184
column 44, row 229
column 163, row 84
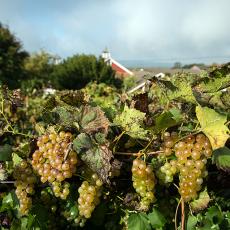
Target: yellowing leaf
column 131, row 121
column 213, row 125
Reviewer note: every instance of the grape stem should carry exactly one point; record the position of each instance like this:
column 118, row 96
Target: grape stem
column 180, row 203
column 175, row 217
column 182, row 214
column 6, row 182
column 137, row 154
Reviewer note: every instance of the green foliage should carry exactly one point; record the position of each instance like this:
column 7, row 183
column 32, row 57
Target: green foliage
column 168, row 119
column 38, row 68
column 138, row 221
column 97, row 124
column 105, row 96
column 221, row 158
column 5, row 152
column 132, row 122
column 156, row 219
column 12, row 57
column 77, row 71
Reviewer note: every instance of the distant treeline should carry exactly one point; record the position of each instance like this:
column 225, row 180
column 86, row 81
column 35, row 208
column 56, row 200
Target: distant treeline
column 20, row 69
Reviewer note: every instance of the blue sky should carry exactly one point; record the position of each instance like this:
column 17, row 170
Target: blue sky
column 162, row 30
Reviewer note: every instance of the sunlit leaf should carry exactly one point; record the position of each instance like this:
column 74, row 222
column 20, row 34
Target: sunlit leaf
column 131, row 121
column 213, row 125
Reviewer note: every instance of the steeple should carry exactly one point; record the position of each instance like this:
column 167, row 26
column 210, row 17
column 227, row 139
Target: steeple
column 106, row 54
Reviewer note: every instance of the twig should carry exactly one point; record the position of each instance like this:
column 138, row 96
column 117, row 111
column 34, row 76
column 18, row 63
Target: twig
column 6, row 182
column 182, row 138
column 116, row 139
column 175, row 217
column 137, row 154
column 182, row 214
column 126, row 154
column 150, row 142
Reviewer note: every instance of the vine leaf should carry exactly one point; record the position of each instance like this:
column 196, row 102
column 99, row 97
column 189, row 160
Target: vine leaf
column 168, row 119
column 138, row 221
column 131, row 121
column 96, row 157
column 201, row 202
column 221, row 158
column 213, row 125
column 93, row 119
column 191, row 223
column 214, row 214
column 156, row 219
column 5, row 152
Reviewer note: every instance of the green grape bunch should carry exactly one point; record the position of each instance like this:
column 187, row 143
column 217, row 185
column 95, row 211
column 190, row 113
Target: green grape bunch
column 89, row 198
column 192, row 154
column 143, row 182
column 24, row 183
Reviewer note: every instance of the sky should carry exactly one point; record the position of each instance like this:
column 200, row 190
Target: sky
column 158, row 30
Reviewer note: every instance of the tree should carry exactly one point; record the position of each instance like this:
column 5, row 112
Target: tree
column 38, row 68
column 177, row 65
column 12, row 57
column 77, row 71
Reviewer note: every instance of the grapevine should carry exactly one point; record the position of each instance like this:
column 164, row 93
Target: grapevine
column 156, row 160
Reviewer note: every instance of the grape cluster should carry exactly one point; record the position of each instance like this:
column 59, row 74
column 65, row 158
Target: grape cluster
column 168, row 143
column 24, row 184
column 167, row 171
column 192, row 154
column 55, row 161
column 143, row 181
column 89, row 194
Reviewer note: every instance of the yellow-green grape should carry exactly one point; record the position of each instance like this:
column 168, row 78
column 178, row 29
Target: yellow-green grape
column 89, row 194
column 24, row 183
column 54, row 160
column 143, row 181
column 192, row 154
column 166, row 172
column 168, row 143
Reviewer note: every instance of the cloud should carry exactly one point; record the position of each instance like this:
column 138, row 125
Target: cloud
column 132, row 29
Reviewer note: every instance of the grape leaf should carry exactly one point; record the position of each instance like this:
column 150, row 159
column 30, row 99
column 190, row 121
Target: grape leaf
column 213, row 125
column 138, row 221
column 214, row 214
column 131, row 121
column 96, row 157
column 184, row 90
column 168, row 119
column 191, row 223
column 221, row 157
column 156, row 219
column 93, row 119
column 5, row 152
column 201, row 202
column 82, row 143
column 9, row 201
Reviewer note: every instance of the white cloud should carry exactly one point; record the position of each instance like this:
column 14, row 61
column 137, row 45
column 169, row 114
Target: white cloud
column 132, row 29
